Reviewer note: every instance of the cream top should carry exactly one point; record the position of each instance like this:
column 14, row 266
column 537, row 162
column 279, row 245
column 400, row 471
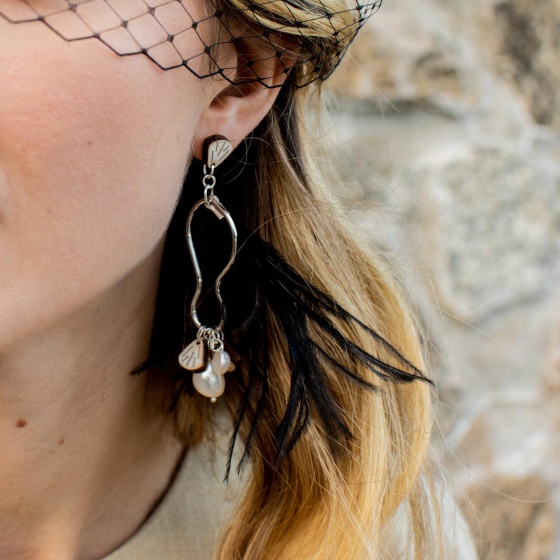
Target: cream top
column 186, row 523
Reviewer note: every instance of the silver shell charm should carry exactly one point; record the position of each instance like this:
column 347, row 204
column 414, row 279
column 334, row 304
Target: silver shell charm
column 217, row 148
column 221, row 362
column 193, row 356
column 208, row 383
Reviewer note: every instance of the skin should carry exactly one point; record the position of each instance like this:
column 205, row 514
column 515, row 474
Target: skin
column 93, row 149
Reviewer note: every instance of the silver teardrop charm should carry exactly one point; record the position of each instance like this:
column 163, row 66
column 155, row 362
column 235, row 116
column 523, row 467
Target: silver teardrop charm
column 215, row 150
column 193, row 357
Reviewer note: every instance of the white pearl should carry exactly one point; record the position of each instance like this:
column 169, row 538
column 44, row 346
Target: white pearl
column 208, row 383
column 220, row 362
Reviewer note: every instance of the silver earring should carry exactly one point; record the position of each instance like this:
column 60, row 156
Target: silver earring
column 205, row 356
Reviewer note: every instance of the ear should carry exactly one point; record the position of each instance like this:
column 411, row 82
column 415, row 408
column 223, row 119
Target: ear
column 234, row 111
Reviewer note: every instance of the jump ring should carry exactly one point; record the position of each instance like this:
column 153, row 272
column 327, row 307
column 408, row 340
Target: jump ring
column 216, row 344
column 209, row 181
column 205, row 169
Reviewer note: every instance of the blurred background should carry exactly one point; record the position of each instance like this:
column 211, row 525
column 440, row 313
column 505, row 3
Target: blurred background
column 445, row 121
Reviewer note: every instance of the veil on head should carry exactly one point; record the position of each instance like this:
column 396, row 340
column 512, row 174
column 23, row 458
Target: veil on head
column 311, row 35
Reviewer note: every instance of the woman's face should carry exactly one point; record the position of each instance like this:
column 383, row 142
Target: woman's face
column 93, row 149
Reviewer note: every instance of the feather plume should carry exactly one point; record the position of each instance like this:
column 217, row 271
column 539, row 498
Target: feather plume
column 262, row 282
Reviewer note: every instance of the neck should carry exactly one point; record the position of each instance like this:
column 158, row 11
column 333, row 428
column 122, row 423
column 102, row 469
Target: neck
column 84, row 458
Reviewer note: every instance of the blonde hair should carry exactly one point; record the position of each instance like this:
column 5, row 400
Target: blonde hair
column 312, row 505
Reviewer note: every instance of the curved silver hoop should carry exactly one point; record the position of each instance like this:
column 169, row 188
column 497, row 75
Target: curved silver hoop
column 220, row 212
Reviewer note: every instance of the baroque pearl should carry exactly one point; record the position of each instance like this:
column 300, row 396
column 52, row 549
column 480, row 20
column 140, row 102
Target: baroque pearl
column 208, row 383
column 220, row 362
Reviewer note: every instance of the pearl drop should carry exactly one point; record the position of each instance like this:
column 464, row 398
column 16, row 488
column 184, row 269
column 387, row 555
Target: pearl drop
column 220, row 362
column 208, row 383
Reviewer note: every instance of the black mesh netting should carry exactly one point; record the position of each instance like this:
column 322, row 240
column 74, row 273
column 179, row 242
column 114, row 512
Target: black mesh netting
column 242, row 40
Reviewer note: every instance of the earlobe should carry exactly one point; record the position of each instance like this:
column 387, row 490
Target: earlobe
column 236, row 110
column 234, row 113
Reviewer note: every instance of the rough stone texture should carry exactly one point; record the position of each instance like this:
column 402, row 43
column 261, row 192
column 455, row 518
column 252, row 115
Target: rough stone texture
column 529, row 33
column 501, row 218
column 525, row 532
column 410, row 62
column 446, row 129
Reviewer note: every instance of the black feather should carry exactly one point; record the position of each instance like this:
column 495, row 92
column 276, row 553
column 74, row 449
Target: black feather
column 262, row 282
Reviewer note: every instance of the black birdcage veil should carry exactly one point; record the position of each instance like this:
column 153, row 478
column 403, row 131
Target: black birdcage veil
column 303, row 39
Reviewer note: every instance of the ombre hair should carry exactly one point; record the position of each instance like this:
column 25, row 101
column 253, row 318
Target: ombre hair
column 311, row 506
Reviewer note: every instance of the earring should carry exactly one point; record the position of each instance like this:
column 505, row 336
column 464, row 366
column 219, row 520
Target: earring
column 205, row 356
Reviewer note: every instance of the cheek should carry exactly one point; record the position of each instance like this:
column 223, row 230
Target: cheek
column 93, row 149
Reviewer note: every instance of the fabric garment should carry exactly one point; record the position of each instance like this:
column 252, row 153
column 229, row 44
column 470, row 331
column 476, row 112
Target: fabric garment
column 457, row 532
column 186, row 523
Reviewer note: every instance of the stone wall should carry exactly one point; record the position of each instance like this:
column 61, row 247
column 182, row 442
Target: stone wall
column 445, row 123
